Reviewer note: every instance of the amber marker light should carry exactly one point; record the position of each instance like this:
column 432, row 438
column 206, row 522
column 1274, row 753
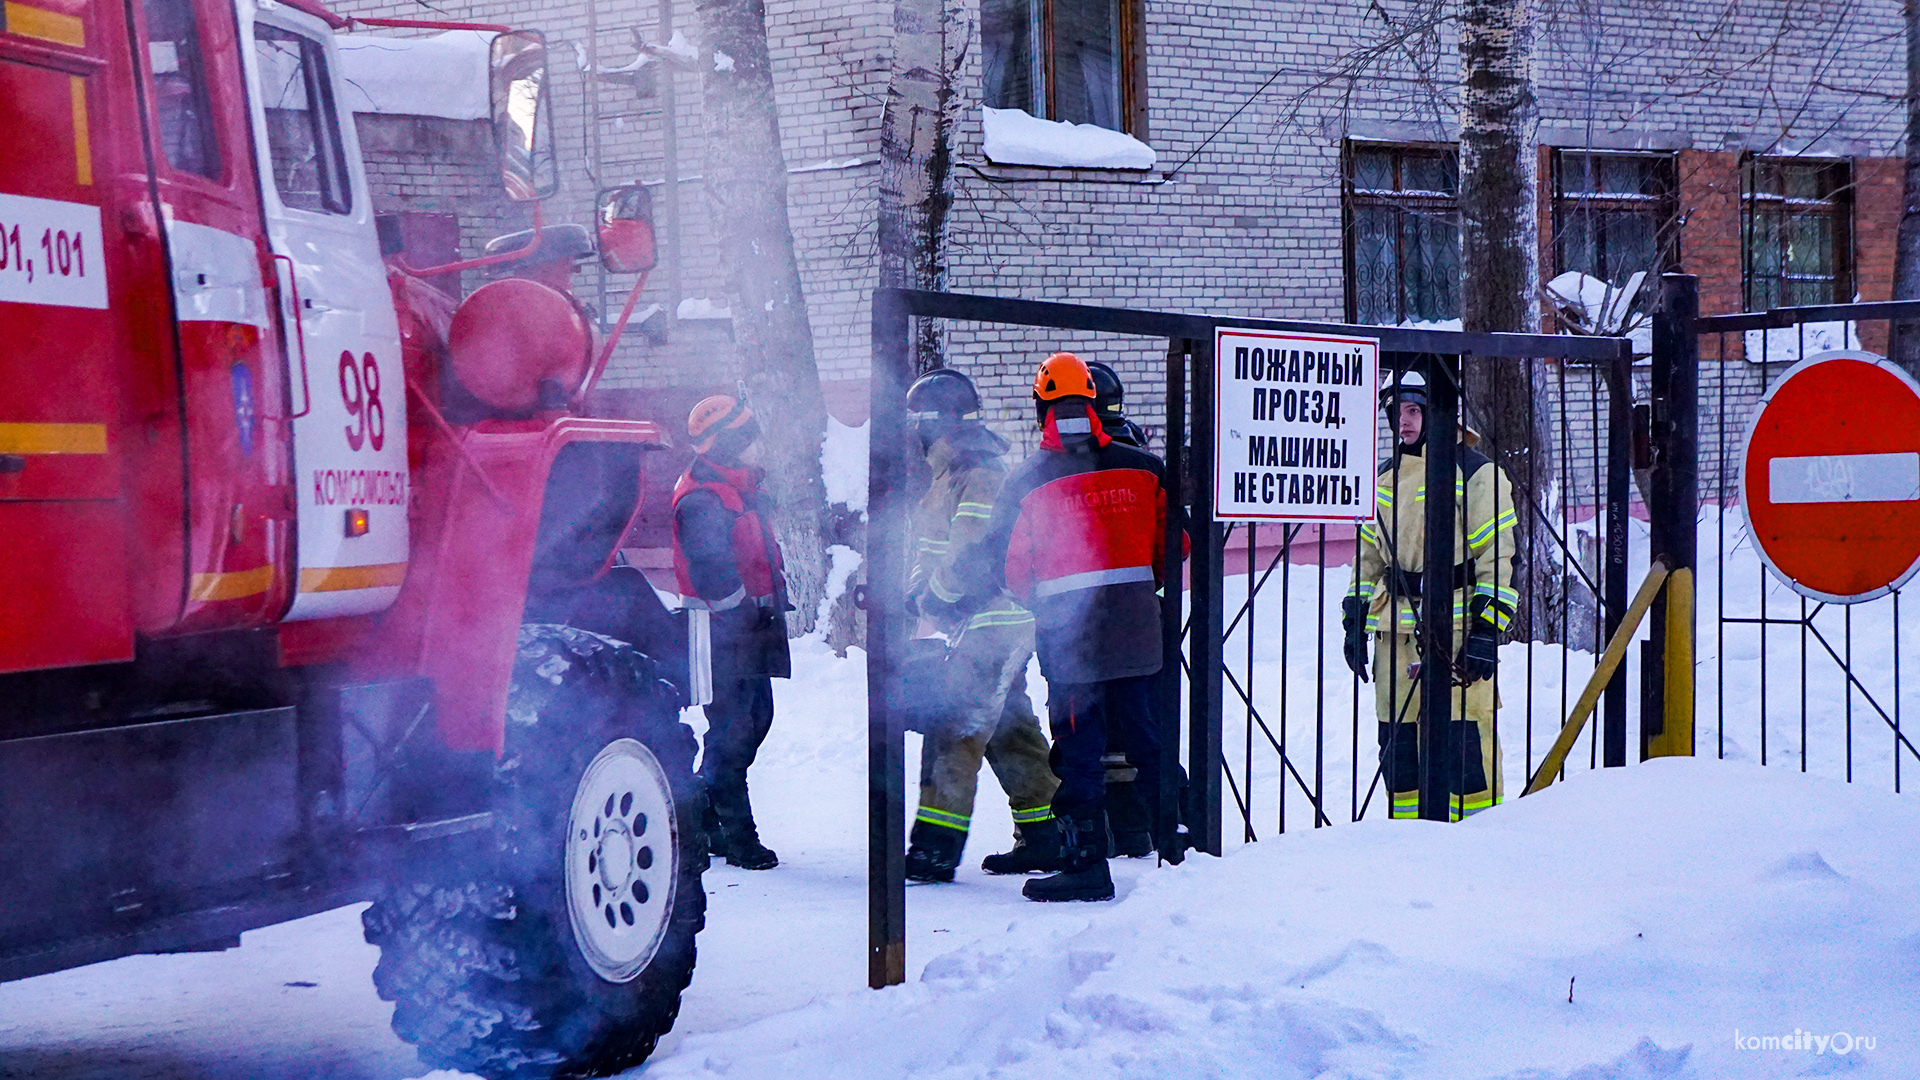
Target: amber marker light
column 356, row 522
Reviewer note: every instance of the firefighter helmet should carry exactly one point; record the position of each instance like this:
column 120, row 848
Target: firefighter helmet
column 1406, row 387
column 942, row 392
column 721, row 416
column 1109, row 394
column 1063, row 375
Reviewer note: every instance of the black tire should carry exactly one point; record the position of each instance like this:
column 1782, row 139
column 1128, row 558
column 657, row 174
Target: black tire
column 479, row 951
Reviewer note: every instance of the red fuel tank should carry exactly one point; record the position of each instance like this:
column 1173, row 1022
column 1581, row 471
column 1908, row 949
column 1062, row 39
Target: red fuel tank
column 511, row 337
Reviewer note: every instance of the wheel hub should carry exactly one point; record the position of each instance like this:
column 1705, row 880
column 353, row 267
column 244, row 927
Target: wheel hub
column 616, row 857
column 621, row 860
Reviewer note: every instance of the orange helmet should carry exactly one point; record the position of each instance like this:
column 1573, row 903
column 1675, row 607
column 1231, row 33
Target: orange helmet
column 716, row 415
column 1063, row 375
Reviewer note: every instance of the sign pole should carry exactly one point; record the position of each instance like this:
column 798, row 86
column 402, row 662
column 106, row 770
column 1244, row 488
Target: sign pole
column 1205, row 702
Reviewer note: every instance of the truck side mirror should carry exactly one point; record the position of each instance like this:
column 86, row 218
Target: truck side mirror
column 625, row 215
column 522, row 115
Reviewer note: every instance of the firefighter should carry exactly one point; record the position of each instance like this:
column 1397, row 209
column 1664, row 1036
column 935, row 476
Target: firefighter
column 1077, row 535
column 1129, row 826
column 729, row 571
column 1110, row 404
column 983, row 707
column 1386, row 599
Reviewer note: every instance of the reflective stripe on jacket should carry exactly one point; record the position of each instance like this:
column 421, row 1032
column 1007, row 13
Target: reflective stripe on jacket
column 1485, row 518
column 1078, row 535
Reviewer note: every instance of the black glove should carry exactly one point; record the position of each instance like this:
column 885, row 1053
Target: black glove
column 1481, row 654
column 1353, row 620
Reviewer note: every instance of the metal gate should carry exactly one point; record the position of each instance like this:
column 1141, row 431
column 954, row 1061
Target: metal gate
column 1297, row 736
column 1812, row 686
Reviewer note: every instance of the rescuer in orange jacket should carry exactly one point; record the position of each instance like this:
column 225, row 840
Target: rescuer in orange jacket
column 729, row 571
column 1079, row 532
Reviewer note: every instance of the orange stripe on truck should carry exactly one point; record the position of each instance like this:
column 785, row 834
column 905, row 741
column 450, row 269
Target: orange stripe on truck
column 230, row 584
column 53, row 438
column 344, row 578
column 35, row 22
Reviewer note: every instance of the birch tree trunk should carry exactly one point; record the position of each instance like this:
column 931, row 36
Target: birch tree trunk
column 1500, row 283
column 746, row 182
column 1906, row 258
column 916, row 158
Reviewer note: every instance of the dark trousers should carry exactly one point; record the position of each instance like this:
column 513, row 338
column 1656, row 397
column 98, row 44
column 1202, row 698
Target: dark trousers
column 1083, row 717
column 738, row 719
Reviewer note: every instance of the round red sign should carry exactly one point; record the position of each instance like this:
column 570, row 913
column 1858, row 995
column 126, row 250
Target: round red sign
column 1830, row 477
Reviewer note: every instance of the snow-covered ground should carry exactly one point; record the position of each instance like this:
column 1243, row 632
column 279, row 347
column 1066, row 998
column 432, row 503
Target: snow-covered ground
column 1679, row 903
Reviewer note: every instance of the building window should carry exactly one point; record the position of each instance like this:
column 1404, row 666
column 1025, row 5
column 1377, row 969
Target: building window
column 1068, row 60
column 1614, row 215
column 1797, row 232
column 1403, row 233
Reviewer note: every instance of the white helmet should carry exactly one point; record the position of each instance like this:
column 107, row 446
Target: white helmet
column 1406, row 386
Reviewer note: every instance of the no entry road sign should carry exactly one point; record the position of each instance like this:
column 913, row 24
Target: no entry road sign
column 1830, row 477
column 1294, row 426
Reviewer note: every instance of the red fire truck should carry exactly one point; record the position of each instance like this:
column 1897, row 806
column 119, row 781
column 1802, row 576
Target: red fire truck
column 312, row 583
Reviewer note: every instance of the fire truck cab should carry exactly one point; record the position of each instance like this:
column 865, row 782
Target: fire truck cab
column 314, row 583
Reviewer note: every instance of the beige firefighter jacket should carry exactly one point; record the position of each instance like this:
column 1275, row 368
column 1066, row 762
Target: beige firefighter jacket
column 1398, row 537
column 950, row 521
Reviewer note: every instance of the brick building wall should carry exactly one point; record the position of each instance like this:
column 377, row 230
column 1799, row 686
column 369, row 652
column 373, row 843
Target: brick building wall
column 1250, row 221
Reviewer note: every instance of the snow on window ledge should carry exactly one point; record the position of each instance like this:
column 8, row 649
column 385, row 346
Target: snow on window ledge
column 1789, row 344
column 1014, row 137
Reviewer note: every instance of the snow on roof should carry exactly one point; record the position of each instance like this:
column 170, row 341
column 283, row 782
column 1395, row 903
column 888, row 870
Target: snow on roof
column 444, row 75
column 1014, row 137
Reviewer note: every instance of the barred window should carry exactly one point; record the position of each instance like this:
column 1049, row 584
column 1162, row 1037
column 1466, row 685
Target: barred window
column 1063, row 60
column 1614, row 214
column 1797, row 232
column 1403, row 233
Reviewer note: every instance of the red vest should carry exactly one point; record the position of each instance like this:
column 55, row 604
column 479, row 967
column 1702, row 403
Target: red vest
column 755, row 555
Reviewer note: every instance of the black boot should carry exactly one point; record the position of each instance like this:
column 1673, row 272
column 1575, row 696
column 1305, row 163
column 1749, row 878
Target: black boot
column 1130, row 823
column 739, row 841
column 933, row 852
column 1036, row 846
column 1083, row 864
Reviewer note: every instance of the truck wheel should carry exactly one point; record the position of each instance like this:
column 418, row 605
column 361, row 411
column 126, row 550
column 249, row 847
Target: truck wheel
column 559, row 945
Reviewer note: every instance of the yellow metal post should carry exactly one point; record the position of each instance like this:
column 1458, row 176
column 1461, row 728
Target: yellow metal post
column 1676, row 739
column 1609, row 660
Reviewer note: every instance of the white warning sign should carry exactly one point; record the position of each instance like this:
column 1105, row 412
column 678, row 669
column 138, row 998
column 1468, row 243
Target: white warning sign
column 1294, row 426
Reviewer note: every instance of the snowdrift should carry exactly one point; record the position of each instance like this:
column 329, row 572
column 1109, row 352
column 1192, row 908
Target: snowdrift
column 1629, row 923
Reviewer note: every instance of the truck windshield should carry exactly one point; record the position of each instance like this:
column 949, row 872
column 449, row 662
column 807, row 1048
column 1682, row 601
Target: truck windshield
column 303, row 128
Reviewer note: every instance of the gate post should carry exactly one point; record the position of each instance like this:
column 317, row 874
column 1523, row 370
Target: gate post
column 1204, row 700
column 1436, row 588
column 1666, row 726
column 1613, row 727
column 1166, row 827
column 886, row 574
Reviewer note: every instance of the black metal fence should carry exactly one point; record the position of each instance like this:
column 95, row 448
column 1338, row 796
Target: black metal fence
column 1274, row 679
column 1640, row 474
column 1788, row 681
